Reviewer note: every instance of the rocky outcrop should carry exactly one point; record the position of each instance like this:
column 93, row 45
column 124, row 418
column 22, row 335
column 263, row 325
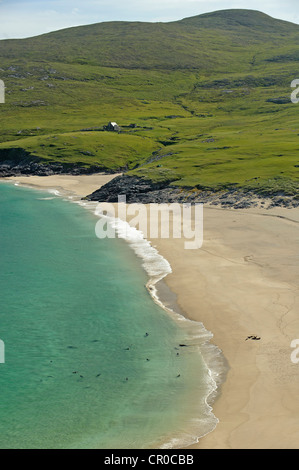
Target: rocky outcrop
column 138, row 190
column 17, row 162
column 135, row 189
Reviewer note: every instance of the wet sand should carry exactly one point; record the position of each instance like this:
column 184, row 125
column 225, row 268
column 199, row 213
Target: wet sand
column 243, row 281
column 80, row 185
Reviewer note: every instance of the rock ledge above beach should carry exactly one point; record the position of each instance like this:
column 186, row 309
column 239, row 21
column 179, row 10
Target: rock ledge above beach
column 138, row 190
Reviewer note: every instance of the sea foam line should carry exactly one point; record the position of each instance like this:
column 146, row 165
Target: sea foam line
column 157, row 268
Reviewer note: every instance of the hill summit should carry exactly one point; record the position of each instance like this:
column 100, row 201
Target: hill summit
column 204, row 42
column 203, row 104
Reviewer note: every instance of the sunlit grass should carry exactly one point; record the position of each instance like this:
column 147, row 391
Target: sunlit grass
column 211, row 108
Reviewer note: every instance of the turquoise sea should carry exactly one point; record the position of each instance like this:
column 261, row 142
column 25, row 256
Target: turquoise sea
column 91, row 361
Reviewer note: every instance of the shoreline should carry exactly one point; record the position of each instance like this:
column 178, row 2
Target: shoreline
column 167, row 299
column 73, row 189
column 76, row 185
column 242, row 282
column 157, row 269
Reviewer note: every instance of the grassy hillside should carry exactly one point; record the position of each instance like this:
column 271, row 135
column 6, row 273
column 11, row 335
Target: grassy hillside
column 205, row 42
column 209, row 98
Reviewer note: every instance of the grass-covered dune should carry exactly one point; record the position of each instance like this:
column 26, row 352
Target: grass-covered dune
column 203, row 102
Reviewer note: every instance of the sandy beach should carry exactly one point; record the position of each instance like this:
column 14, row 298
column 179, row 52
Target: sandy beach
column 242, row 282
column 80, row 185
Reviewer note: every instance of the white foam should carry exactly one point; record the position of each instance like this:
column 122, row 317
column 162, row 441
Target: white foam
column 54, row 191
column 157, row 268
column 45, row 198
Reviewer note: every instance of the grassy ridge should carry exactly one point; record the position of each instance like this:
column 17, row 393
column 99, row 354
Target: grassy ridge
column 103, row 150
column 209, row 97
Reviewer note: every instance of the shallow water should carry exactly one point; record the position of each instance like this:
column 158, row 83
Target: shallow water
column 91, row 361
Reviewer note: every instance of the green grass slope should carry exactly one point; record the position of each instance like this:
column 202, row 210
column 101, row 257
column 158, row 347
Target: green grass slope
column 209, row 97
column 205, row 42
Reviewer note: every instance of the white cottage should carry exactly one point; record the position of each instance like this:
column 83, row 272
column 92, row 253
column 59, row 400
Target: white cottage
column 113, row 126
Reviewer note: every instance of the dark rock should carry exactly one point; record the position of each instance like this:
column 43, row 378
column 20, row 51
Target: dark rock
column 138, row 190
column 135, row 189
column 280, row 100
column 17, row 162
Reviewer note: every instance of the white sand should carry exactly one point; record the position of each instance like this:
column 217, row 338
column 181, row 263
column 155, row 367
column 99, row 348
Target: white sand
column 80, row 185
column 243, row 281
